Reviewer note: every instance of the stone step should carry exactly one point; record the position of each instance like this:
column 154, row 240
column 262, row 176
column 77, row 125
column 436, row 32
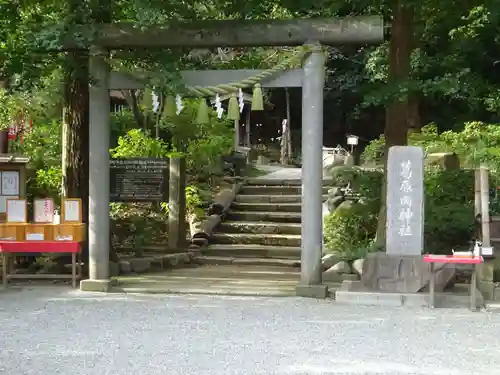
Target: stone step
column 280, row 217
column 274, row 190
column 260, row 227
column 269, row 262
column 271, row 198
column 252, row 251
column 257, row 239
column 245, row 272
column 279, row 182
column 277, row 207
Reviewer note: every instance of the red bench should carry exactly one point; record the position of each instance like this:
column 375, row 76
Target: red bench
column 8, row 248
column 451, row 259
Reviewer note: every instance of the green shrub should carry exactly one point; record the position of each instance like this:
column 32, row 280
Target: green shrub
column 448, row 220
column 349, row 229
column 449, row 209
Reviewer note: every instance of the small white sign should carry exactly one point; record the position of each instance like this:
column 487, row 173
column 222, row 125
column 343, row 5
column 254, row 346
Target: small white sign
column 43, row 210
column 16, row 211
column 487, row 251
column 10, row 183
column 34, row 237
column 72, row 210
column 352, row 140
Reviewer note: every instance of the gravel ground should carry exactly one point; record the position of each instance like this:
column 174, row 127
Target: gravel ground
column 52, row 330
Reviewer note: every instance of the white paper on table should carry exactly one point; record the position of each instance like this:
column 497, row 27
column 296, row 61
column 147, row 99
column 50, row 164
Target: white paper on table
column 34, row 237
column 44, row 210
column 10, row 183
column 16, row 211
column 72, row 210
column 64, row 238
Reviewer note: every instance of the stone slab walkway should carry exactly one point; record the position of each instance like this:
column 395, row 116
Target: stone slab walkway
column 220, row 280
column 279, row 172
column 56, row 330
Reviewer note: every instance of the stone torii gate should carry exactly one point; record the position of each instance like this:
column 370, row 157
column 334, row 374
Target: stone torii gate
column 365, row 30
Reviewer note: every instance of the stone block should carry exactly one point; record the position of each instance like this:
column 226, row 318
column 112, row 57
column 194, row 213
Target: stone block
column 332, row 276
column 114, row 269
column 405, row 197
column 140, row 265
column 95, row 285
column 329, row 260
column 402, row 274
column 369, row 298
column 341, row 267
column 124, row 267
column 312, row 291
column 357, row 266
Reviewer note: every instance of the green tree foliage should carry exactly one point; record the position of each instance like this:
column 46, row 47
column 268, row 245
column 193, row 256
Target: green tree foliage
column 476, row 143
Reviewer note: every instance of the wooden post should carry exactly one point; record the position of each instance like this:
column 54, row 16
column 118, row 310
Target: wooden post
column 477, row 192
column 177, row 204
column 485, row 205
column 248, row 142
column 485, row 270
column 236, row 134
column 284, row 146
column 289, row 124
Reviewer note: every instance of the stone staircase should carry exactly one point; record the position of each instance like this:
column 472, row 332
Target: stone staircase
column 262, row 227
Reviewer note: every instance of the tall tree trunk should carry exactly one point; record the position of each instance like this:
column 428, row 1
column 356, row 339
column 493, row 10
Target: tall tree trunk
column 76, row 127
column 396, row 118
column 414, row 122
column 75, row 142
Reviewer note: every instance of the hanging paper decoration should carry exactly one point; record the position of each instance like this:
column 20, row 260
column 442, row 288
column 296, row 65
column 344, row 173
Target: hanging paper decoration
column 232, row 108
column 257, row 100
column 218, row 106
column 178, row 104
column 202, row 115
column 155, row 101
column 241, row 100
column 170, row 109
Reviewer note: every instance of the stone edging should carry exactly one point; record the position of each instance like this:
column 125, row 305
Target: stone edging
column 201, row 230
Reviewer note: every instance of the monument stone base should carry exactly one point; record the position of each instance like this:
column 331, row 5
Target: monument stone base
column 353, row 292
column 402, row 274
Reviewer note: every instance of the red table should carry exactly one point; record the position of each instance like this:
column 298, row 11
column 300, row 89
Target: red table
column 23, row 247
column 451, row 259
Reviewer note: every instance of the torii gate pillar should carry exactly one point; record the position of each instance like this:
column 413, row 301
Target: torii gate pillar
column 99, row 243
column 312, row 175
